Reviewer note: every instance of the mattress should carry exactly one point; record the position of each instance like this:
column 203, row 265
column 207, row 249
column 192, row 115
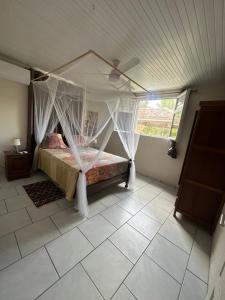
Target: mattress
column 61, row 166
column 108, row 166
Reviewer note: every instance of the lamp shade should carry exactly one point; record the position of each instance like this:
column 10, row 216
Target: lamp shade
column 16, row 142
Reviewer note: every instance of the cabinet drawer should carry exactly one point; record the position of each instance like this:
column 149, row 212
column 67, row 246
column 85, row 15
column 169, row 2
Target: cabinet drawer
column 203, row 205
column 18, row 166
column 19, row 163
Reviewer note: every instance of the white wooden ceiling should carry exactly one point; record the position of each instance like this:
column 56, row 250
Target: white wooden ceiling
column 179, row 42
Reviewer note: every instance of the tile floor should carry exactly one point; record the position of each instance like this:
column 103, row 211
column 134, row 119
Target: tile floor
column 130, row 247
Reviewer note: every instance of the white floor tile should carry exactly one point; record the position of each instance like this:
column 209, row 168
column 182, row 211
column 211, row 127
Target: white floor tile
column 38, row 213
column 95, row 208
column 4, row 183
column 170, row 194
column 74, row 285
column 156, row 186
column 64, row 203
column 27, row 278
column 17, row 202
column 163, row 203
column 21, row 191
column 7, row 192
column 142, row 180
column 147, row 226
column 144, row 195
column 123, row 294
column 3, row 209
column 97, row 229
column 121, row 192
column 168, row 256
column 137, row 186
column 131, row 205
column 200, row 255
column 131, row 243
column 148, row 281
column 193, row 288
column 36, row 235
column 34, row 178
column 155, row 212
column 116, row 215
column 172, row 190
column 13, row 221
column 109, row 200
column 67, row 250
column 175, row 233
column 107, row 267
column 184, row 222
column 67, row 219
column 156, row 274
column 9, row 251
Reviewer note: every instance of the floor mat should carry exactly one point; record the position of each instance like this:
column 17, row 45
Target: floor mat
column 43, row 192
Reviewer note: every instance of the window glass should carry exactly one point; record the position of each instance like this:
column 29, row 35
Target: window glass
column 159, row 118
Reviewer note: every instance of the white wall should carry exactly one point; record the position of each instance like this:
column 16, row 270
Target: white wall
column 152, row 159
column 13, row 114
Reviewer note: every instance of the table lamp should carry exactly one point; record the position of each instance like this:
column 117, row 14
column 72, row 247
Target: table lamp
column 16, row 143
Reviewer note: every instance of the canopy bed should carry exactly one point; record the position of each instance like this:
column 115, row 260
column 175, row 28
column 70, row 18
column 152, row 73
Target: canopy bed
column 88, row 106
column 61, row 167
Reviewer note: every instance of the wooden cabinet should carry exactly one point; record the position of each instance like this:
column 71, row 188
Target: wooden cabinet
column 17, row 165
column 202, row 183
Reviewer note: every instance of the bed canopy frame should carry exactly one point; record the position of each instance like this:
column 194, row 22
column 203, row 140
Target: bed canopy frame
column 98, row 56
column 87, row 106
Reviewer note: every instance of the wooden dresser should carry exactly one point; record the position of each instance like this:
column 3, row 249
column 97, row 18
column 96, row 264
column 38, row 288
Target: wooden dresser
column 17, row 165
column 202, row 182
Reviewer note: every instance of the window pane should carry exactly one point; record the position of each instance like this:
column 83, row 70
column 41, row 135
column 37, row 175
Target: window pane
column 155, row 118
column 175, row 124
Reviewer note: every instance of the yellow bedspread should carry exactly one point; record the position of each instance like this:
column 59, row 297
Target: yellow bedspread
column 63, row 173
column 61, row 166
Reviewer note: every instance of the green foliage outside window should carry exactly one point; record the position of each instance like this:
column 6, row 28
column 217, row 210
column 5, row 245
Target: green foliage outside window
column 158, row 118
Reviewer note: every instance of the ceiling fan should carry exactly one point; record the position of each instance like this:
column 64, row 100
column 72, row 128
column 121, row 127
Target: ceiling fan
column 114, row 75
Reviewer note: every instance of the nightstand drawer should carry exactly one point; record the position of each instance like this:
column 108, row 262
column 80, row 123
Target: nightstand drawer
column 17, row 165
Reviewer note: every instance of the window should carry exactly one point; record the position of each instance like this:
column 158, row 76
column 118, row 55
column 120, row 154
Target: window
column 161, row 117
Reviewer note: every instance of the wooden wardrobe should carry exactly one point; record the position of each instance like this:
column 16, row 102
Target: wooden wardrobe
column 202, row 182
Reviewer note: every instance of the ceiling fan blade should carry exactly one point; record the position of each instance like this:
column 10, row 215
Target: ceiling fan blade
column 129, row 65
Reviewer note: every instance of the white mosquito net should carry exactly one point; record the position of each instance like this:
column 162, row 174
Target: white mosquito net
column 88, row 107
column 125, row 120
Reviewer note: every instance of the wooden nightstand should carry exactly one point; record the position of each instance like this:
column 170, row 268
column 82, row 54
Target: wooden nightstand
column 17, row 165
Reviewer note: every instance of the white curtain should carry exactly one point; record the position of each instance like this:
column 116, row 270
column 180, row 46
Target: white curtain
column 83, row 118
column 43, row 106
column 53, row 122
column 125, row 120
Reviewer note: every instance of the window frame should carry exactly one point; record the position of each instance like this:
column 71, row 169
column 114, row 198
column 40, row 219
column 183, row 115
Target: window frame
column 176, row 96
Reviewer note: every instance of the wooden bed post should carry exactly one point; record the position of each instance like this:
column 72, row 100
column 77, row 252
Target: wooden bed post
column 30, row 116
column 128, row 173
